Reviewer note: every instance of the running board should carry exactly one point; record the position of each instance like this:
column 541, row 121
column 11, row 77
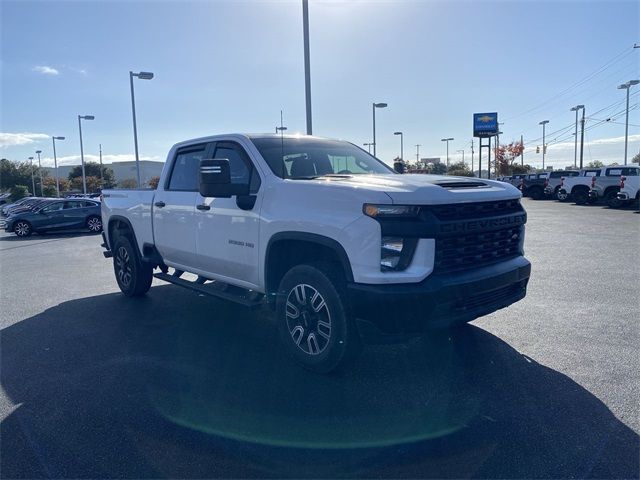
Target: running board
column 248, row 298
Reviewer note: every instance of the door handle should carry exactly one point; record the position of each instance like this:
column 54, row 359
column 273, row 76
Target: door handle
column 202, row 206
column 160, row 204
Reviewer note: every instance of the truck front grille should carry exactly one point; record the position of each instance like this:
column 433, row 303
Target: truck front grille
column 461, row 252
column 462, row 211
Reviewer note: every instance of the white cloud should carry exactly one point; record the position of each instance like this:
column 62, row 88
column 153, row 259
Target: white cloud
column 13, row 139
column 45, row 70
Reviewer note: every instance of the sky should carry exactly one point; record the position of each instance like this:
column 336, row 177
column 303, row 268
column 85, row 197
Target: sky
column 232, row 66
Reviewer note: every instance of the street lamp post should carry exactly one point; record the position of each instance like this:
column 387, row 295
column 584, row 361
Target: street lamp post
column 401, row 144
column 376, row 105
column 33, row 182
column 368, row 145
column 544, row 145
column 141, row 76
column 575, row 148
column 627, row 86
column 418, row 155
column 55, row 163
column 447, row 140
column 307, row 64
column 38, row 152
column 84, row 178
column 461, row 151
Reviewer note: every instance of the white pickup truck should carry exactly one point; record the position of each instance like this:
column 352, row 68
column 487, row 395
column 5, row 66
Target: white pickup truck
column 337, row 243
column 629, row 190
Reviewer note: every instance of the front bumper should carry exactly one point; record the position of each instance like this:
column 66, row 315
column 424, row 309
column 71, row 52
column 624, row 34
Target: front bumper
column 439, row 300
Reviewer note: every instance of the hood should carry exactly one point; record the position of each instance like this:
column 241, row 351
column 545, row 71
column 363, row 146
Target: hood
column 419, row 189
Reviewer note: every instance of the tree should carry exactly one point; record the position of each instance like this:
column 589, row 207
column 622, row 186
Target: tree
column 154, row 181
column 49, row 184
column 92, row 169
column 595, row 164
column 636, row 159
column 520, row 169
column 438, row 169
column 505, row 157
column 18, row 192
column 128, row 183
column 16, row 173
column 459, row 169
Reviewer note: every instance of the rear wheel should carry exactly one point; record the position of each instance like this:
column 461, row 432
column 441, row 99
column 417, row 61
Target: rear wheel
column 132, row 274
column 611, row 199
column 535, row 193
column 314, row 320
column 94, row 224
column 22, row 229
column 580, row 196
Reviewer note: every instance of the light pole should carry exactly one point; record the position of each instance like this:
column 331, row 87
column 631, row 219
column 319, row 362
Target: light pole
column 575, row 148
column 447, row 140
column 33, row 182
column 101, row 176
column 141, row 76
column 582, row 137
column 418, row 155
column 544, row 145
column 401, row 144
column 84, row 178
column 368, row 145
column 307, row 63
column 55, row 163
column 459, row 151
column 376, row 105
column 627, row 86
column 38, row 152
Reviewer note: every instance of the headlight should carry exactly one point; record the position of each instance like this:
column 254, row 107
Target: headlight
column 396, row 253
column 390, row 211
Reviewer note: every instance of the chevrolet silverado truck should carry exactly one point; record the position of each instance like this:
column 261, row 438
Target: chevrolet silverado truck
column 533, row 185
column 577, row 188
column 556, row 180
column 606, row 187
column 336, row 243
column 629, row 190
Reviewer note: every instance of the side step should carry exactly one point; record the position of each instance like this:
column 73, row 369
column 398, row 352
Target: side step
column 244, row 297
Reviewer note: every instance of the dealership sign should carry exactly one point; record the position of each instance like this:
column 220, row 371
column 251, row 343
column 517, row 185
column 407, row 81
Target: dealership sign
column 485, row 124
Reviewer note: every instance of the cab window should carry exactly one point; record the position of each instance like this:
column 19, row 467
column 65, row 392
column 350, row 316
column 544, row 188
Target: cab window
column 240, row 166
column 184, row 172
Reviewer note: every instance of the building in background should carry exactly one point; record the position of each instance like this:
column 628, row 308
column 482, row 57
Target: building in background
column 121, row 170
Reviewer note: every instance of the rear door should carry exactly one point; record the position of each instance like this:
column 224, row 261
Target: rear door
column 227, row 235
column 75, row 213
column 174, row 206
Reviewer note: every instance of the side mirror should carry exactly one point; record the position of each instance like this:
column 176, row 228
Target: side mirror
column 215, row 180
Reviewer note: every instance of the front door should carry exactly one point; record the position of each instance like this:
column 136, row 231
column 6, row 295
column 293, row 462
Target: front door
column 174, row 207
column 226, row 234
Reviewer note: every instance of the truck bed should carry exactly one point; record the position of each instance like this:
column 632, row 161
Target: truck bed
column 134, row 205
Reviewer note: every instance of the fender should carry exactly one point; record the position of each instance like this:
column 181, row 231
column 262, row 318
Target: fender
column 126, row 221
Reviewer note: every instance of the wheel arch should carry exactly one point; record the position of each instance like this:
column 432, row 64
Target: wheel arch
column 119, row 225
column 287, row 249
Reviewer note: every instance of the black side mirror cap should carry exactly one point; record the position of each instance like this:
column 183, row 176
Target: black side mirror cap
column 215, row 179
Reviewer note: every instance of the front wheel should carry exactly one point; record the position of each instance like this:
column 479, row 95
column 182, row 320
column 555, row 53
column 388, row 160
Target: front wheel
column 23, row 229
column 313, row 318
column 562, row 195
column 612, row 200
column 580, row 197
column 134, row 277
column 536, row 193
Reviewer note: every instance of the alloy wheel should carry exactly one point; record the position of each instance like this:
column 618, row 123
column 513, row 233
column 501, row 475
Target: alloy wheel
column 123, row 266
column 22, row 229
column 308, row 319
column 95, row 224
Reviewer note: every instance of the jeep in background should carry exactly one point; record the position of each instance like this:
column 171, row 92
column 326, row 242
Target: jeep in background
column 605, row 188
column 533, row 185
column 328, row 236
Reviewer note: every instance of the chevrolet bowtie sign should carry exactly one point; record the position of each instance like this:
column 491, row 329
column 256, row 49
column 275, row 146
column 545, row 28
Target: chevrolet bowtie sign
column 485, row 124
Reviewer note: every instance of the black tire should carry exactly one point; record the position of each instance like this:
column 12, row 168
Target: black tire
column 133, row 275
column 94, row 224
column 313, row 318
column 536, row 193
column 611, row 199
column 22, row 229
column 561, row 197
column 580, row 196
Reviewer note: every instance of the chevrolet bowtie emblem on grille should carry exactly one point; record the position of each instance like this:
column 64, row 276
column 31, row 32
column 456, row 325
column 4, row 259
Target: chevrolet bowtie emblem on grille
column 485, row 118
column 514, row 236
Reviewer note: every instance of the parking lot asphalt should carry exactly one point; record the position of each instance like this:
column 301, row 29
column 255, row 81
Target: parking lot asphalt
column 180, row 385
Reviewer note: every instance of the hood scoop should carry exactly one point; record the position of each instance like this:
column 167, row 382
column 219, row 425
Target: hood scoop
column 457, row 184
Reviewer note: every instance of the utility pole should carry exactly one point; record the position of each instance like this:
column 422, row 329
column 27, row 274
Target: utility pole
column 522, row 154
column 581, row 138
column 472, row 153
column 544, row 143
column 101, row 177
column 417, row 153
column 307, row 63
column 33, row 182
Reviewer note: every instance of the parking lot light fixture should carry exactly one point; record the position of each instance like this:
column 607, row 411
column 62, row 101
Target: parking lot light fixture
column 544, row 145
column 33, row 182
column 376, row 105
column 141, row 76
column 447, row 140
column 401, row 144
column 84, row 178
column 627, row 86
column 55, row 164
column 38, row 152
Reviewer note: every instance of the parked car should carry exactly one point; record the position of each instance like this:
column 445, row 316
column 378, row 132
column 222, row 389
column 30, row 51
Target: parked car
column 629, row 190
column 516, row 180
column 336, row 242
column 59, row 214
column 555, row 181
column 27, row 206
column 605, row 188
column 577, row 187
column 23, row 202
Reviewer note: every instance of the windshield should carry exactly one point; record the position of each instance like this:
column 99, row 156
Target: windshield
column 305, row 158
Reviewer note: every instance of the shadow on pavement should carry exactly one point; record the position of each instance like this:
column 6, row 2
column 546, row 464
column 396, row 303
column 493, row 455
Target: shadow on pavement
column 176, row 385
